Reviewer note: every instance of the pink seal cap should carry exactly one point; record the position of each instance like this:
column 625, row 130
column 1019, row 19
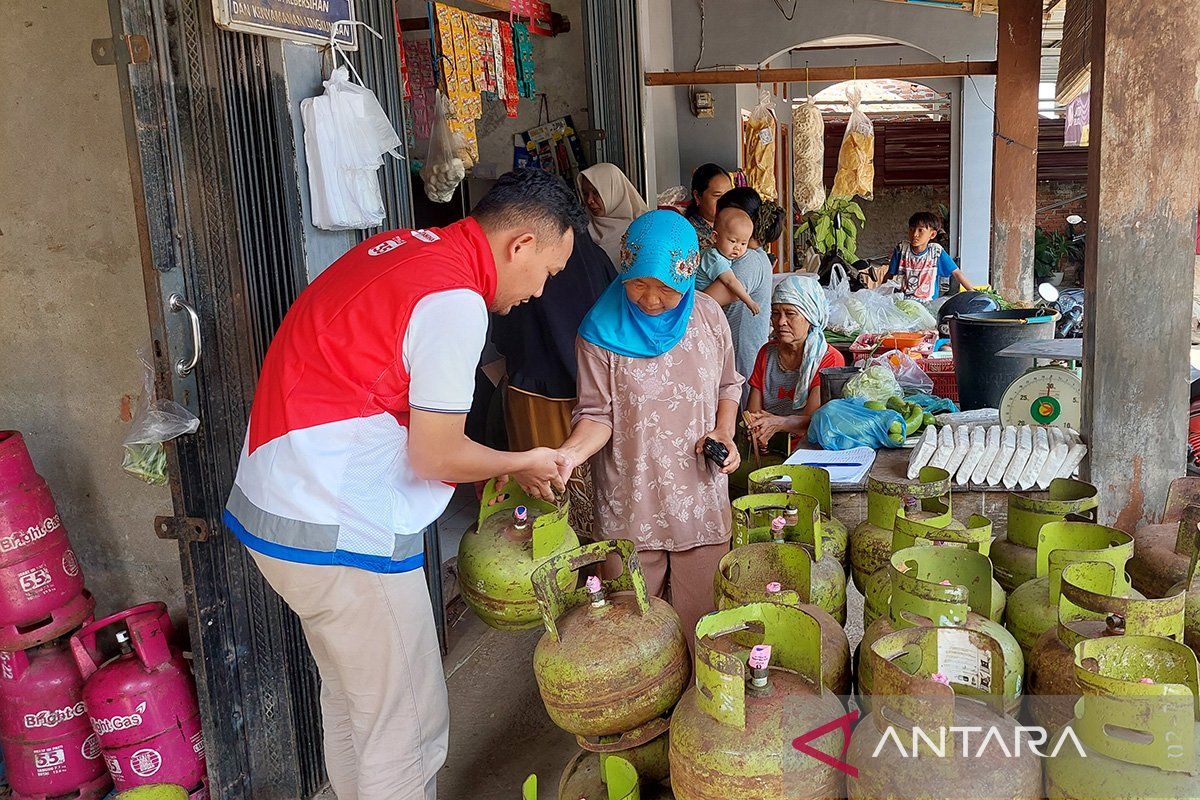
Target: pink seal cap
column 778, row 524
column 760, row 656
column 520, row 513
column 1147, row 681
column 938, row 677
column 593, row 584
column 945, row 583
column 774, row 587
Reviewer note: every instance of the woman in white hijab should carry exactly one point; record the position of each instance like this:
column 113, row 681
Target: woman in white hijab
column 612, row 203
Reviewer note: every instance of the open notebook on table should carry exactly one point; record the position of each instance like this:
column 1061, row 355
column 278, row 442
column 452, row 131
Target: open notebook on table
column 844, row 466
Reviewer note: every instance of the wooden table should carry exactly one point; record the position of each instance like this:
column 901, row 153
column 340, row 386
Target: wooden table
column 850, row 500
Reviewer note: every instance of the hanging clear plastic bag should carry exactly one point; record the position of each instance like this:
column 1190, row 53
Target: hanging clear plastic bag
column 760, row 146
column 846, row 424
column 808, row 157
column 346, row 134
column 856, row 159
column 155, row 422
column 443, row 170
column 912, row 378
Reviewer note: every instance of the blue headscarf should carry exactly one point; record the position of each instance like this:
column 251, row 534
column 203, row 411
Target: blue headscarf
column 805, row 293
column 662, row 245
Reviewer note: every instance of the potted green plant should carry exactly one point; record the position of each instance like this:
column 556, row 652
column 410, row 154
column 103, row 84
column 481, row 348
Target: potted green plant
column 834, row 228
column 1048, row 251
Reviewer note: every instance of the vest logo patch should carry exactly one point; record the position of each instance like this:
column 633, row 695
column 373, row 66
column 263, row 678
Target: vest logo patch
column 385, row 246
column 426, row 236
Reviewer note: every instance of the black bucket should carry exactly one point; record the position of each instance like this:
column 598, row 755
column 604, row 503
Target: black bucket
column 834, row 380
column 976, row 339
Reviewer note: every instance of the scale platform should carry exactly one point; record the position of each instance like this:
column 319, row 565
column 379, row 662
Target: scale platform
column 1061, row 350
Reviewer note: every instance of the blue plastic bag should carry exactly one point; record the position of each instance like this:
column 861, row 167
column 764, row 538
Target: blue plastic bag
column 933, row 405
column 843, row 424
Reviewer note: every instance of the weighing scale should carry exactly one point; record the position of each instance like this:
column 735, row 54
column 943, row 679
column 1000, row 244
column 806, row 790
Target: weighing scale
column 1049, row 394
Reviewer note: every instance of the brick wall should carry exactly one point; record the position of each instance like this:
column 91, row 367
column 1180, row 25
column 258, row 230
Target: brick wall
column 1051, row 192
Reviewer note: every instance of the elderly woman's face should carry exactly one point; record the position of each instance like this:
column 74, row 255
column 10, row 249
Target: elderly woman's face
column 651, row 295
column 788, row 324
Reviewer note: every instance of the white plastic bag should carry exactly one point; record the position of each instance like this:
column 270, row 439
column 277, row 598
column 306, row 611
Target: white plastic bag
column 760, row 146
column 346, row 134
column 443, row 170
column 155, row 422
column 856, row 159
column 910, row 376
column 838, row 293
column 808, row 157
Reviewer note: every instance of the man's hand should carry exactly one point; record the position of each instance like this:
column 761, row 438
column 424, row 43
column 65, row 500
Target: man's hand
column 542, row 475
column 726, row 438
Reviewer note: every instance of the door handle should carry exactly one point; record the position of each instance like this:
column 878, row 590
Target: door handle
column 184, row 366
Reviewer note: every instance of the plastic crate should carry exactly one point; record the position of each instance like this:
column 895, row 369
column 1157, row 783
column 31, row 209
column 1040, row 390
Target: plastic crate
column 941, row 371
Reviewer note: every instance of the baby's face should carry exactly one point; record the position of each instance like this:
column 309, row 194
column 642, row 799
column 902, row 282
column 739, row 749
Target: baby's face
column 734, row 229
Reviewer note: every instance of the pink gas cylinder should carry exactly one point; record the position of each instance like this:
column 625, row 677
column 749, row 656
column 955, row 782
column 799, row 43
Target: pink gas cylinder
column 50, row 750
column 41, row 585
column 142, row 703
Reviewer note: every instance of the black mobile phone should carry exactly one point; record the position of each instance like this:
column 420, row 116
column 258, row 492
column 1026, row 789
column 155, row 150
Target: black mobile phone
column 715, row 452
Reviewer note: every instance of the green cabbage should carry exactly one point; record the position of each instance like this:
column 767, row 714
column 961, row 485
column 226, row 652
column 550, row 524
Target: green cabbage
column 873, row 383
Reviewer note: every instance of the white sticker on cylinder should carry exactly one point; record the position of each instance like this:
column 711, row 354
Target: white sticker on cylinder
column 145, row 762
column 961, row 661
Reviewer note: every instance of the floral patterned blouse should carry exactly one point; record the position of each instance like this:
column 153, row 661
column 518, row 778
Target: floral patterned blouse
column 704, row 231
column 650, row 485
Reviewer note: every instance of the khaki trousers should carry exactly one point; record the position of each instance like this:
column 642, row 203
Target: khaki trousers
column 684, row 578
column 384, row 710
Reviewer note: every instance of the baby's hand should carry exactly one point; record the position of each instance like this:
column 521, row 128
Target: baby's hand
column 754, row 307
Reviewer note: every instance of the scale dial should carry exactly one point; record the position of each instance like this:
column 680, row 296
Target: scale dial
column 1043, row 396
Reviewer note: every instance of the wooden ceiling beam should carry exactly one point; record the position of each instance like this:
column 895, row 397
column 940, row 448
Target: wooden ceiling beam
column 937, row 69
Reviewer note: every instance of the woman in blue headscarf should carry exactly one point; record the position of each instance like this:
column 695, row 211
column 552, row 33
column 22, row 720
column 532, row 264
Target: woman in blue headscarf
column 785, row 386
column 656, row 379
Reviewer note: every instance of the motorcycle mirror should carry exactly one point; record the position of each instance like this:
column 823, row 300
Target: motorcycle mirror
column 1048, row 292
column 1074, row 219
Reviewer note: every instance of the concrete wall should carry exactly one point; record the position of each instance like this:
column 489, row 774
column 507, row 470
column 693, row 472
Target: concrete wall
column 887, row 216
column 659, row 115
column 72, row 303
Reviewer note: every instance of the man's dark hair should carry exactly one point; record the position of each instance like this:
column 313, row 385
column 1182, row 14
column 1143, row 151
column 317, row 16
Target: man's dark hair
column 531, row 196
column 926, row 219
column 743, row 197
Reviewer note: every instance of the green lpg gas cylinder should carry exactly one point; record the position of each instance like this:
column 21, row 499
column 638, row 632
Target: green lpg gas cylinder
column 644, row 747
column 1033, row 607
column 938, row 727
column 1190, row 544
column 1137, row 726
column 590, row 777
column 871, row 542
column 1163, row 552
column 155, row 791
column 613, row 658
column 497, row 556
column 756, row 526
column 1089, row 607
column 755, row 573
column 758, row 683
column 976, row 535
column 814, row 482
column 1014, row 553
column 942, row 587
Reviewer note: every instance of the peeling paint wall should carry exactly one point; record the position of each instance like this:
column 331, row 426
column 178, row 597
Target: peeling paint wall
column 72, row 302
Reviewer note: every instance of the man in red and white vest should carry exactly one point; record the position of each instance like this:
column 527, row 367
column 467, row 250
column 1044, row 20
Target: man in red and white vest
column 355, row 442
